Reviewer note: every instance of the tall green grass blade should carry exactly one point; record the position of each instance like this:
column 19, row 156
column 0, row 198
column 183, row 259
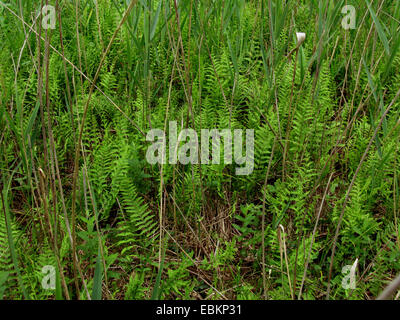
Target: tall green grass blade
column 155, row 21
column 58, row 293
column 11, row 241
column 98, row 279
column 389, row 63
column 379, row 28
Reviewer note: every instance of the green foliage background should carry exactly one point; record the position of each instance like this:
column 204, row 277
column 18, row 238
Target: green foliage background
column 326, row 152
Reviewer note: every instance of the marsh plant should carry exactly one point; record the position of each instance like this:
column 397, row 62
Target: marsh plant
column 214, row 149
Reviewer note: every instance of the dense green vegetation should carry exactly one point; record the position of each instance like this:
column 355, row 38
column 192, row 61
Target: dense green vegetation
column 78, row 194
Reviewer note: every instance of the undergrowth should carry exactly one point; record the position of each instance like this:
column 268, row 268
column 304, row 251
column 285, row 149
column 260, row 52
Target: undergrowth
column 324, row 191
